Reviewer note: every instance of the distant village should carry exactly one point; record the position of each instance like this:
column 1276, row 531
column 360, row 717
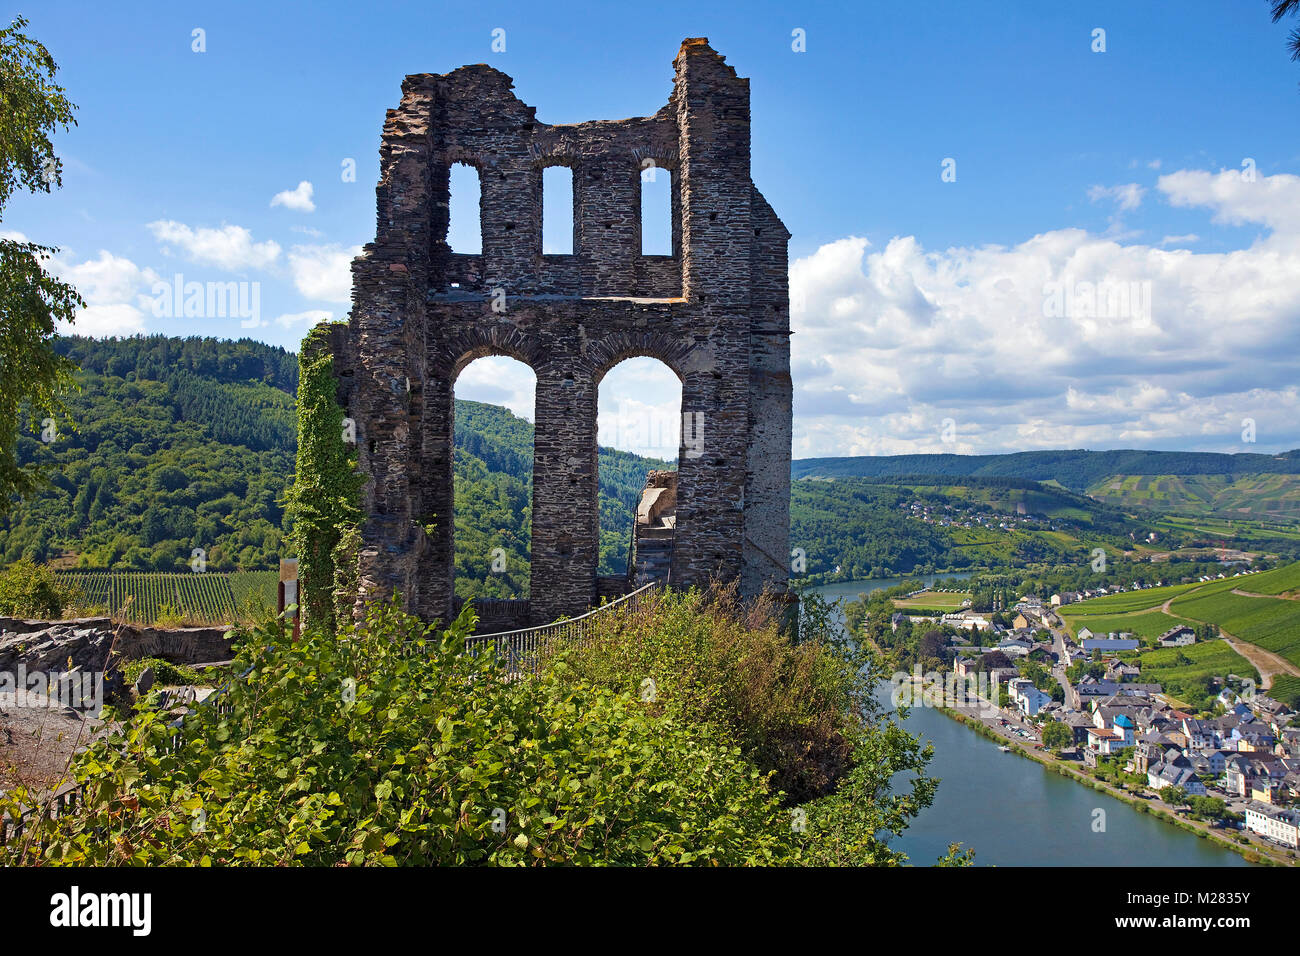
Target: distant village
column 974, row 516
column 1248, row 755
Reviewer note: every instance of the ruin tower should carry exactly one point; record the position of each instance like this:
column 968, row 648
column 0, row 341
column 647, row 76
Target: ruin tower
column 715, row 311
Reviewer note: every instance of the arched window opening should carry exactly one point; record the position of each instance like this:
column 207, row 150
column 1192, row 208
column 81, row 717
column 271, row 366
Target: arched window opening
column 465, row 227
column 557, row 211
column 656, row 210
column 639, row 423
column 492, row 471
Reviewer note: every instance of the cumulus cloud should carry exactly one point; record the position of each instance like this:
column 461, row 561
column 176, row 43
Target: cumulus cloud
column 298, row 199
column 114, row 291
column 1238, row 196
column 639, row 409
column 229, row 247
column 1067, row 339
column 323, row 272
column 499, row 380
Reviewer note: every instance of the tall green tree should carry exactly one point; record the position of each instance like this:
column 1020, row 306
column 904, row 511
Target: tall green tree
column 32, row 301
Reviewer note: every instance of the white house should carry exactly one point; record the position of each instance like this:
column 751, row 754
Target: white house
column 1179, row 636
column 1015, row 647
column 1274, row 823
column 1168, row 774
column 1028, row 698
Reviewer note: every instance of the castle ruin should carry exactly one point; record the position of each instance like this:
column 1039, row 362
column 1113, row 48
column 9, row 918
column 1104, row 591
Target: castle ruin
column 715, row 311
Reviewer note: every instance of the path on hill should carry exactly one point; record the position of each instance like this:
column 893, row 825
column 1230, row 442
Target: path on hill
column 1266, row 662
column 1285, row 597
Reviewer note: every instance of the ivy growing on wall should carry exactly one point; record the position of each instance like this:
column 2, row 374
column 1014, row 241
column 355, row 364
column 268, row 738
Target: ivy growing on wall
column 323, row 505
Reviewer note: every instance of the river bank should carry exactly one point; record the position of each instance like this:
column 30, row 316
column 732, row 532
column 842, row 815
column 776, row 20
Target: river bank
column 1014, row 813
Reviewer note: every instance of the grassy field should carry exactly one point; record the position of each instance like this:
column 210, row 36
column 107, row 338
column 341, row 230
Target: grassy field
column 1125, row 603
column 950, row 600
column 1272, row 623
column 1142, row 624
column 1278, row 581
column 1286, row 688
column 158, row 597
column 1182, row 670
column 1269, row 497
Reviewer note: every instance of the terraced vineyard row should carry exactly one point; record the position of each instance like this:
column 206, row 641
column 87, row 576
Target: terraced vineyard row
column 1271, row 623
column 150, row 597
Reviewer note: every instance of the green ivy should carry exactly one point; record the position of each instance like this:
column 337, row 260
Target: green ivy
column 322, row 506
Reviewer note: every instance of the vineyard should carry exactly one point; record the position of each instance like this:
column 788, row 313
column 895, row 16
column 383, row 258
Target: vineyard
column 172, row 598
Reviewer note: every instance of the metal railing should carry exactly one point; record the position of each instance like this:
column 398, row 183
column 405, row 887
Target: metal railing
column 526, row 648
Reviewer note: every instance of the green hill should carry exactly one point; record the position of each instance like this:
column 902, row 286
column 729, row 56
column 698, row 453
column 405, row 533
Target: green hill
column 878, row 527
column 1078, row 470
column 1265, row 497
column 189, row 443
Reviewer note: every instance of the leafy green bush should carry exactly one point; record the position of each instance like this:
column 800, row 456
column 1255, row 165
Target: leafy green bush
column 165, row 672
column 390, row 745
column 28, row 589
column 791, row 708
column 806, row 713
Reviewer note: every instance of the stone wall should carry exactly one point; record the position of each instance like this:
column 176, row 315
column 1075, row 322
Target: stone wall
column 716, row 312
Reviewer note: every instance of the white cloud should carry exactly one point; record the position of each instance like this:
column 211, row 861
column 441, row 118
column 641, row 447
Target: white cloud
column 1236, row 198
column 639, row 409
column 298, row 199
column 1127, row 196
column 499, row 380
column 230, row 247
column 310, row 317
column 112, row 288
column 323, row 272
column 892, row 341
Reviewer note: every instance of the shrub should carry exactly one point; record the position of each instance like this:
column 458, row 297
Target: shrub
column 791, row 708
column 165, row 672
column 391, row 745
column 32, row 590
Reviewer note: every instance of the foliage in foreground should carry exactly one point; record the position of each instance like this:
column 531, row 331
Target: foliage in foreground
column 391, row 745
column 33, row 590
column 32, row 301
column 806, row 713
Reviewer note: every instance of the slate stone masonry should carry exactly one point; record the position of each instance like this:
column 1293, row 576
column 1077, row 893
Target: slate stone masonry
column 716, row 312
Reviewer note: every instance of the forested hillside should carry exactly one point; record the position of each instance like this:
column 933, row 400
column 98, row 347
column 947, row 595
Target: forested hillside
column 885, row 527
column 174, row 444
column 178, row 444
column 1077, row 470
column 494, row 476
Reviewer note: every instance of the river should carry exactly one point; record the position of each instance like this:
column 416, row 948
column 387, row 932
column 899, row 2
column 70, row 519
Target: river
column 1014, row 812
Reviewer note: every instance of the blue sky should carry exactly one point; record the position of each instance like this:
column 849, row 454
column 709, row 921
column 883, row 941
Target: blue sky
column 919, row 302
